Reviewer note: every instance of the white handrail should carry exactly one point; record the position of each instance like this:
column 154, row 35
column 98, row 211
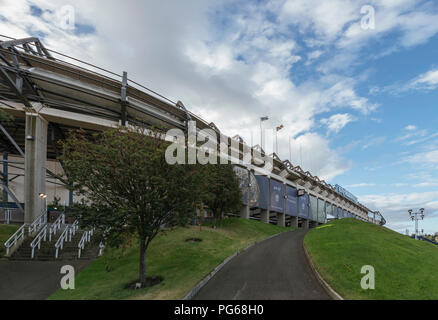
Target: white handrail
column 38, row 222
column 66, row 236
column 60, row 242
column 73, row 228
column 37, row 241
column 56, row 226
column 86, row 236
column 12, row 241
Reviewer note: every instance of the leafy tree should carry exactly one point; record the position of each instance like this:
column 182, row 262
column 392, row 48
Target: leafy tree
column 127, row 186
column 222, row 193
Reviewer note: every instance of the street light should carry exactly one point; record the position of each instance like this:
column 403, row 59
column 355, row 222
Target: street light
column 44, row 198
column 261, row 133
column 414, row 217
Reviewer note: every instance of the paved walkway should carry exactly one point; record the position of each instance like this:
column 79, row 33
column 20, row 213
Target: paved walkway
column 32, row 280
column 273, row 269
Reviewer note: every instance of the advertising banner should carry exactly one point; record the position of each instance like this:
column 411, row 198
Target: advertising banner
column 321, row 211
column 291, row 201
column 263, row 184
column 254, row 191
column 313, row 212
column 277, row 196
column 303, row 206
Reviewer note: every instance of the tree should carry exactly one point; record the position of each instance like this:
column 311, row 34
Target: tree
column 127, row 186
column 222, row 193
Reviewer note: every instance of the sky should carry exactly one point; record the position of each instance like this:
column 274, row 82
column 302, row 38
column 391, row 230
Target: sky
column 354, row 83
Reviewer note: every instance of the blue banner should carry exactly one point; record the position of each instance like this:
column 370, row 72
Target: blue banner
column 291, row 201
column 277, row 196
column 313, row 212
column 263, row 184
column 303, row 206
column 321, row 211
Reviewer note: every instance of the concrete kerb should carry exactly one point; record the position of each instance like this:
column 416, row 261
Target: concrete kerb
column 204, row 281
column 332, row 293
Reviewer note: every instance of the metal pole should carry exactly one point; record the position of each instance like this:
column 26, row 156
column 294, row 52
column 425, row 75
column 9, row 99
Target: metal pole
column 416, row 226
column 261, row 134
column 276, row 142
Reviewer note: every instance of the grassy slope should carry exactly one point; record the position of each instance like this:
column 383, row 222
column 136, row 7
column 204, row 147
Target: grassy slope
column 182, row 264
column 6, row 230
column 404, row 268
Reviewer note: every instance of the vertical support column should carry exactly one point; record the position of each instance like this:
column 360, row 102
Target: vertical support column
column 293, row 222
column 264, row 215
column 244, row 212
column 305, row 224
column 280, row 219
column 34, row 166
column 5, row 179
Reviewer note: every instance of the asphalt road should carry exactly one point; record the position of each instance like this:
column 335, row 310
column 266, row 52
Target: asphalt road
column 275, row 269
column 32, row 280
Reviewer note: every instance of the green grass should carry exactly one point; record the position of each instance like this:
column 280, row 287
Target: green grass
column 404, row 268
column 6, row 230
column 182, row 264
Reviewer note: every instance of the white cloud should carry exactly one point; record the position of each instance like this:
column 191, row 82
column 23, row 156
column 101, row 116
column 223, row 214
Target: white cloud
column 361, row 185
column 410, row 127
column 424, row 158
column 425, row 81
column 338, row 121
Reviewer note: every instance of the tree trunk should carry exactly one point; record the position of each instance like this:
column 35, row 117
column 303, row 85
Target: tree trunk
column 142, row 263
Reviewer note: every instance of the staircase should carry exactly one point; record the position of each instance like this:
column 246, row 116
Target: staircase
column 52, row 241
column 47, row 251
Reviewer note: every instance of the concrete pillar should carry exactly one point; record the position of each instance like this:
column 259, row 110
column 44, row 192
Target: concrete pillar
column 305, row 224
column 34, row 166
column 294, row 222
column 281, row 219
column 244, row 211
column 264, row 215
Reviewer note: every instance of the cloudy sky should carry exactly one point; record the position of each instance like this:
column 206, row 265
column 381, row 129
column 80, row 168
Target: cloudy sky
column 358, row 101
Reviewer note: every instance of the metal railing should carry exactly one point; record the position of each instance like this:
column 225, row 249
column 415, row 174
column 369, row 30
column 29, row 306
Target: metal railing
column 42, row 235
column 35, row 226
column 56, row 226
column 86, row 237
column 13, row 240
column 66, row 236
column 38, row 223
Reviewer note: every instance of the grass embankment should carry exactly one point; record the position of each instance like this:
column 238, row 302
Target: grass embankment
column 182, row 264
column 404, row 268
column 6, row 230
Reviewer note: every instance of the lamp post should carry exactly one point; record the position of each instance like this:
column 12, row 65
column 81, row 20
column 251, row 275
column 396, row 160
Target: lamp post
column 414, row 217
column 44, row 198
column 261, row 132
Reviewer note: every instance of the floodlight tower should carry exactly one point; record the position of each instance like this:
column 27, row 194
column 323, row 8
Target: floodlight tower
column 414, row 217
